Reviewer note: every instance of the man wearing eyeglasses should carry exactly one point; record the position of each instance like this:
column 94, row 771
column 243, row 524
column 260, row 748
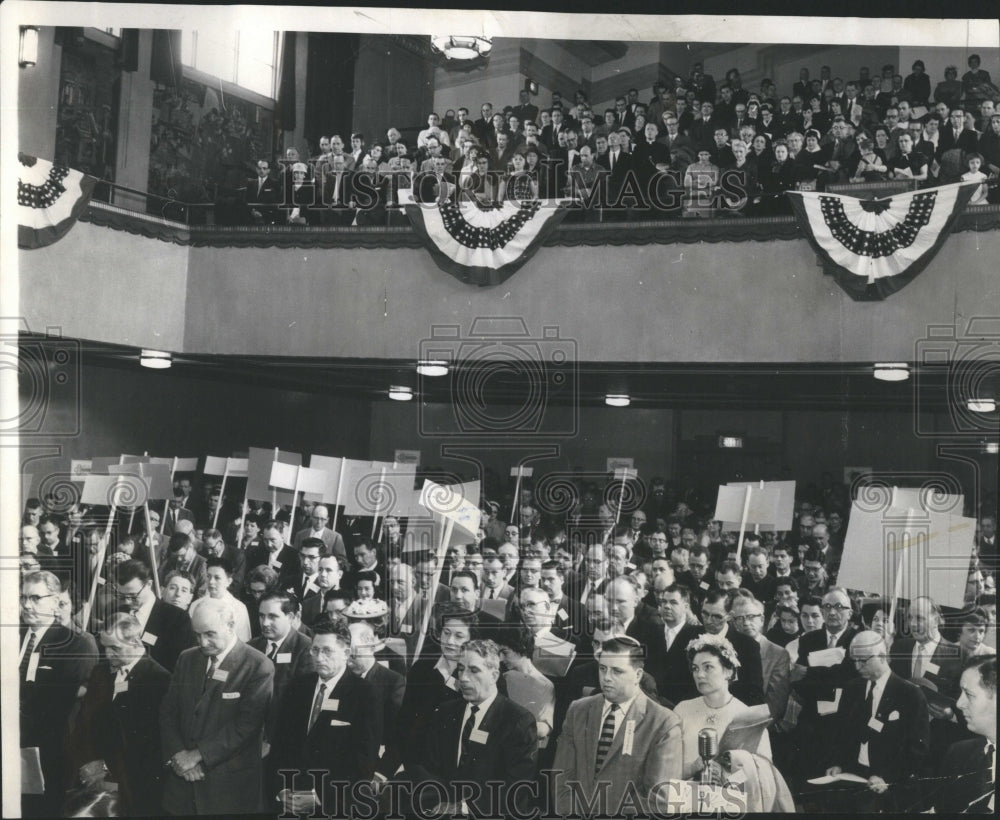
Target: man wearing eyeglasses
column 825, row 669
column 883, row 732
column 716, row 614
column 318, row 528
column 53, row 664
column 166, row 629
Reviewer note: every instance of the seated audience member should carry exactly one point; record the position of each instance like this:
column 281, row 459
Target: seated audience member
column 337, row 206
column 973, row 624
column 713, row 665
column 966, row 777
column 974, row 162
column 882, row 734
column 329, row 573
column 701, row 181
column 869, row 165
column 786, row 626
column 908, row 164
column 300, row 206
column 526, row 686
column 263, row 195
column 716, row 617
column 178, row 590
column 748, row 618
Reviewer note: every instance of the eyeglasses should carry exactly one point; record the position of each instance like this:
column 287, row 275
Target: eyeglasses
column 835, row 608
column 748, row 617
column 712, row 616
column 862, row 661
column 34, row 600
column 129, row 596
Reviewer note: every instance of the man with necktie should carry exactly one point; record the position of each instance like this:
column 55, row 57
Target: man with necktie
column 618, row 744
column 481, row 740
column 328, row 721
column 118, row 726
column 212, row 720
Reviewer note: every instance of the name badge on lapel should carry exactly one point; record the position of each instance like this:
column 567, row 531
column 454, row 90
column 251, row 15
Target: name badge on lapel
column 330, row 705
column 562, row 613
column 121, row 686
column 629, row 737
column 230, row 695
column 405, row 629
column 931, row 668
column 479, row 736
column 283, row 657
column 875, row 724
column 150, row 638
column 220, row 675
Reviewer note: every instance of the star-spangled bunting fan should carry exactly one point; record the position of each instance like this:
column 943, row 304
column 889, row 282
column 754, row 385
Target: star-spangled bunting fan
column 50, row 199
column 484, row 247
column 875, row 247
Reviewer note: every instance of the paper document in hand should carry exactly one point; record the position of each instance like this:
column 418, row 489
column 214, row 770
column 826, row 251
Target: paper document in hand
column 829, row 707
column 746, row 730
column 497, row 607
column 827, row 657
column 553, row 656
column 826, row 779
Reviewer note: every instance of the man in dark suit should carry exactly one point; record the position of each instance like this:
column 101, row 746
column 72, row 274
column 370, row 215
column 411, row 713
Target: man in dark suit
column 482, row 738
column 176, row 512
column 883, row 731
column 284, row 645
column 275, row 553
column 119, row 718
column 617, row 745
column 388, row 686
column 212, row 720
column 967, row 776
column 53, row 665
column 929, row 660
column 328, row 722
column 716, row 614
column 262, row 195
column 823, row 669
column 181, row 554
column 319, row 528
column 405, row 607
column 674, row 605
column 166, row 629
column 309, row 554
column 328, row 575
column 639, row 622
column 569, row 613
column 987, row 543
column 525, row 110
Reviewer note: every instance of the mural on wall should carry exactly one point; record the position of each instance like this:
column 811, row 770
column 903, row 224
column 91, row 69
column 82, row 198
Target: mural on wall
column 204, row 143
column 87, row 116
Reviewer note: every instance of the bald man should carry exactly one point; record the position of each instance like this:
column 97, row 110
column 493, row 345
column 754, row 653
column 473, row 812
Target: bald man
column 883, row 731
column 212, row 719
column 318, row 528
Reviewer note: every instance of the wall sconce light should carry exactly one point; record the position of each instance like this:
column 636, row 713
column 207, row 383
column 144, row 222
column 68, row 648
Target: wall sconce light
column 28, row 51
column 155, row 359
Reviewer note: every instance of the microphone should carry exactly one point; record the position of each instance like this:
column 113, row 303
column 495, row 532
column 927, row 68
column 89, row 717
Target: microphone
column 708, row 748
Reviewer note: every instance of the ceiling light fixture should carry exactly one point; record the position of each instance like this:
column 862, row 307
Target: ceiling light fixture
column 462, row 48
column 155, row 359
column 991, row 448
column 432, row 367
column 399, row 393
column 892, row 371
column 28, row 52
column 617, row 400
column 981, row 405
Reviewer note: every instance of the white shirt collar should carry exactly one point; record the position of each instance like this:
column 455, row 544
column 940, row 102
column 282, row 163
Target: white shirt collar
column 330, row 684
column 445, row 667
column 126, row 670
column 225, row 653
column 143, row 612
column 622, row 709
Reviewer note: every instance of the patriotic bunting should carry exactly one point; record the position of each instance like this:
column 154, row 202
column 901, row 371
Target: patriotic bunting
column 873, row 248
column 484, row 247
column 50, row 199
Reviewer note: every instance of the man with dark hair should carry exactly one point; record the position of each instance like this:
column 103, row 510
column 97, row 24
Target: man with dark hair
column 329, row 573
column 674, row 607
column 275, row 553
column 967, row 773
column 165, row 629
column 757, row 579
column 310, row 551
column 568, row 612
column 327, row 722
column 716, row 616
column 616, row 742
column 181, row 554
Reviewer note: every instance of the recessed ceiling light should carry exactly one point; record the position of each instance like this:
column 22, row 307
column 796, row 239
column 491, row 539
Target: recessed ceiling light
column 981, row 405
column 398, row 393
column 892, row 371
column 617, row 400
column 992, row 448
column 155, row 359
column 432, row 367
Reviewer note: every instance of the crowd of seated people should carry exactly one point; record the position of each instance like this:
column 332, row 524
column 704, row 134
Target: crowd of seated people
column 225, row 662
column 697, row 147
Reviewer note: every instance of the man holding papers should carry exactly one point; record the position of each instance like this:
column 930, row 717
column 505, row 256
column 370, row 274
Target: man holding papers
column 825, row 668
column 883, row 732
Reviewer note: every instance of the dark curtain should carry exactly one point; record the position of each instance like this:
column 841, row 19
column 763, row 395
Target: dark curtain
column 165, row 66
column 330, row 86
column 286, row 83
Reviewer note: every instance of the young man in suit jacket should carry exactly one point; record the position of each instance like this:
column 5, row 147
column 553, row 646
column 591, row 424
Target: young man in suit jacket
column 674, row 604
column 283, row 644
column 716, row 615
column 276, row 554
column 119, row 723
column 482, row 738
column 212, row 720
column 166, row 629
column 619, row 739
column 53, row 665
column 329, row 722
column 883, row 731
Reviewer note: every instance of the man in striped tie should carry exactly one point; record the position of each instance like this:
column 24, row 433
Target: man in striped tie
column 617, row 745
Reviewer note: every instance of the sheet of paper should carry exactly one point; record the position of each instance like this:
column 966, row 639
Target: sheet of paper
column 829, row 707
column 827, row 779
column 827, row 657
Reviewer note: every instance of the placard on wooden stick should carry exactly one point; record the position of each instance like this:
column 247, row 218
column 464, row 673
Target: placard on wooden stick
column 259, row 474
column 784, row 512
column 763, row 508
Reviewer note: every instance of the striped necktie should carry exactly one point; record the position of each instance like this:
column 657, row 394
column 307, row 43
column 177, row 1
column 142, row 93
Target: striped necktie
column 606, row 738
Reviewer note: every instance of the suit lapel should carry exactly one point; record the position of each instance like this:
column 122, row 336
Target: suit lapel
column 590, row 732
column 636, row 712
